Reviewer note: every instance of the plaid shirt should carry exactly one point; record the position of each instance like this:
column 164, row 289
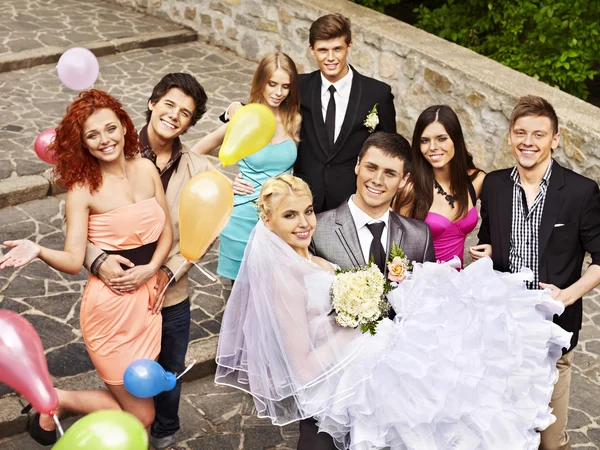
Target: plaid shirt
column 524, row 233
column 165, row 176
column 148, row 153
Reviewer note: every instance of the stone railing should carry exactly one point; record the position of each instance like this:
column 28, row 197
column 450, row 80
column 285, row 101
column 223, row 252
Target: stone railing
column 422, row 69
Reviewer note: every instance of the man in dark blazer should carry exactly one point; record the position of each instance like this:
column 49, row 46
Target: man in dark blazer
column 336, row 104
column 363, row 227
column 545, row 217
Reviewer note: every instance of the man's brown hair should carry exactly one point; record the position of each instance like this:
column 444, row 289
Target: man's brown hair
column 328, row 27
column 532, row 105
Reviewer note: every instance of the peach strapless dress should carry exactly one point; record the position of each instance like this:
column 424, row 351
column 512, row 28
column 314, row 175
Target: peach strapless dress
column 119, row 329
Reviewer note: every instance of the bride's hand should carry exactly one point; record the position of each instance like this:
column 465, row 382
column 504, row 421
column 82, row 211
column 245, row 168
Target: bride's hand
column 23, row 252
column 242, row 187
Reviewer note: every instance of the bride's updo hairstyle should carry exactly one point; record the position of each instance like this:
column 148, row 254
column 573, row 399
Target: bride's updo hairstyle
column 276, row 188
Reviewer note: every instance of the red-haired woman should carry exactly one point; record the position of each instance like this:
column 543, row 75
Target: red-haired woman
column 116, row 201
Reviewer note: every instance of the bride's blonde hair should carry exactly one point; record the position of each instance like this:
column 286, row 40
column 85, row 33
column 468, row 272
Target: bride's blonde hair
column 275, row 189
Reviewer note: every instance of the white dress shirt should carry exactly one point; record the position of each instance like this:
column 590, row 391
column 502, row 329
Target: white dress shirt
column 361, row 219
column 341, row 98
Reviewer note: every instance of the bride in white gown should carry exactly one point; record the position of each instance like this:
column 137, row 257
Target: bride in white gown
column 468, row 364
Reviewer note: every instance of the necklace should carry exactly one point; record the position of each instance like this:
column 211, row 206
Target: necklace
column 440, row 190
column 117, row 177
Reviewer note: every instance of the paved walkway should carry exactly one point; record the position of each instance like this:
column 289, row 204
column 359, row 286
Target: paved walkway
column 34, row 24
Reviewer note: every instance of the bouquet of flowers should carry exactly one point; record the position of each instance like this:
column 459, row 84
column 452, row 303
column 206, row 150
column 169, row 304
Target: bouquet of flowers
column 359, row 294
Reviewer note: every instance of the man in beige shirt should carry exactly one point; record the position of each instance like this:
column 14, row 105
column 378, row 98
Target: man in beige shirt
column 177, row 102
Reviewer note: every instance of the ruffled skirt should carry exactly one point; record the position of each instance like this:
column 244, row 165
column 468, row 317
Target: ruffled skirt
column 469, row 364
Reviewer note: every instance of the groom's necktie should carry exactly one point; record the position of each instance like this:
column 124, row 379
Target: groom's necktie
column 330, row 118
column 376, row 249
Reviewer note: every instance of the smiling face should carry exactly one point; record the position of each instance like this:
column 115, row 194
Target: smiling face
column 378, row 178
column 103, row 135
column 277, row 88
column 293, row 220
column 332, row 57
column 171, row 115
column 532, row 140
column 436, row 146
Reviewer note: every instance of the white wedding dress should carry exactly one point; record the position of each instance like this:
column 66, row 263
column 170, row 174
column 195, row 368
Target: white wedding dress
column 468, row 364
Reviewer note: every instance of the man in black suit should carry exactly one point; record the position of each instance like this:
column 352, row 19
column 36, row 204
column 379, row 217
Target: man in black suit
column 545, row 217
column 336, row 101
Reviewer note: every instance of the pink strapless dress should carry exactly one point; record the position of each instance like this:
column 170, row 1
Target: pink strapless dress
column 449, row 237
column 119, row 329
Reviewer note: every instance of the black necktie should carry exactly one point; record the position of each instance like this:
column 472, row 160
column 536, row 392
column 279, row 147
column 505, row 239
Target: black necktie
column 330, row 117
column 376, row 251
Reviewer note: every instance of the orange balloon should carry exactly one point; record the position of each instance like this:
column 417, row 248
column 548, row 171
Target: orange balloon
column 205, row 206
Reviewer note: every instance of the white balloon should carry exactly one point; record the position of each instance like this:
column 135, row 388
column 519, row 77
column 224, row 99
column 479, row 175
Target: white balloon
column 78, row 68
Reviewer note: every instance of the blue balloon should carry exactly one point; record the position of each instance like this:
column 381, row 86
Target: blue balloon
column 146, row 378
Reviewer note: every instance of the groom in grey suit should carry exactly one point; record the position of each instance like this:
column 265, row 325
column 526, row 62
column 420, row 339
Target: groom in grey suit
column 363, row 227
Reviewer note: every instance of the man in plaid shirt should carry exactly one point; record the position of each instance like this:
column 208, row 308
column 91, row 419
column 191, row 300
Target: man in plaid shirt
column 545, row 217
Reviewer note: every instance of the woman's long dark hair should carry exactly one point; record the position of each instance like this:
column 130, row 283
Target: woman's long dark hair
column 420, row 197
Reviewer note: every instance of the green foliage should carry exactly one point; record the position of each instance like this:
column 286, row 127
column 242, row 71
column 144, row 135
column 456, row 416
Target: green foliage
column 555, row 41
column 377, row 5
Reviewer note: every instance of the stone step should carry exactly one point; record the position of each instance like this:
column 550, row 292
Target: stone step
column 47, row 55
column 12, row 422
column 22, row 189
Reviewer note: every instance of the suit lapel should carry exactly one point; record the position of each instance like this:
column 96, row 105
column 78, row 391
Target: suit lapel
column 504, row 202
column 351, row 113
column 317, row 114
column 394, row 234
column 348, row 236
column 552, row 205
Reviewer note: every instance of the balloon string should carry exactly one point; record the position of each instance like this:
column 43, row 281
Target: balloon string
column 205, row 272
column 187, row 369
column 172, row 278
column 58, row 425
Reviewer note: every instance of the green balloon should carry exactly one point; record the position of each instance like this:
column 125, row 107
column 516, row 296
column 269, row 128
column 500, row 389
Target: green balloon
column 105, row 430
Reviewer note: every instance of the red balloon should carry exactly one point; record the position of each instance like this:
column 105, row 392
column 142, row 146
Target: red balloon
column 23, row 364
column 41, row 145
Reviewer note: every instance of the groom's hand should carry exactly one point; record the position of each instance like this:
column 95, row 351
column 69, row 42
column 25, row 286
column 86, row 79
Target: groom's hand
column 479, row 251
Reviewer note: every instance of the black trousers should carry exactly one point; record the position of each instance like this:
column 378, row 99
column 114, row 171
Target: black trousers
column 310, row 439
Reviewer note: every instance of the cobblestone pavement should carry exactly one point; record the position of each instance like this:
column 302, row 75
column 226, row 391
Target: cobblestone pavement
column 34, row 99
column 212, row 418
column 35, row 24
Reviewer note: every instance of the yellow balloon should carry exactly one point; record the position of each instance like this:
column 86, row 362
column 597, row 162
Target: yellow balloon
column 205, row 206
column 250, row 129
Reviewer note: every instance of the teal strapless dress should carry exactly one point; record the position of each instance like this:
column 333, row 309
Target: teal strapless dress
column 272, row 160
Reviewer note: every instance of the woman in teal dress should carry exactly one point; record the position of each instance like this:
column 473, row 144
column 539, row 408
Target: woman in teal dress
column 275, row 84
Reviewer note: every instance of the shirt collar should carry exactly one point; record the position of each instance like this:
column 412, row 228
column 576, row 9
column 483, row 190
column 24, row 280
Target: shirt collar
column 515, row 177
column 361, row 218
column 146, row 148
column 342, row 86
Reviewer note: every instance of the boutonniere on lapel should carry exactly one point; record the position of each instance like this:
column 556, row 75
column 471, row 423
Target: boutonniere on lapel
column 398, row 265
column 372, row 119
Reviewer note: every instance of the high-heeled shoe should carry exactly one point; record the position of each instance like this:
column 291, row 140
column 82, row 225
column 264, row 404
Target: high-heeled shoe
column 37, row 433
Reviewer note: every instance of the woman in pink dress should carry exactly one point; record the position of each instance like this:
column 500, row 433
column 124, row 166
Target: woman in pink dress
column 444, row 183
column 116, row 201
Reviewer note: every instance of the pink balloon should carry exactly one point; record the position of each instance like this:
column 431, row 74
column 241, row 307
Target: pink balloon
column 23, row 364
column 42, row 141
column 78, row 68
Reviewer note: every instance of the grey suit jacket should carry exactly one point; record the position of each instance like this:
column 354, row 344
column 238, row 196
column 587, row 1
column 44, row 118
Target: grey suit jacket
column 336, row 238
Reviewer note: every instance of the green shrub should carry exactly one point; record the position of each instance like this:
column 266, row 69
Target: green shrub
column 555, row 41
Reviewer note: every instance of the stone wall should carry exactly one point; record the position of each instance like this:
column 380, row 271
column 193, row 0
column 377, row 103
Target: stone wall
column 422, row 69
